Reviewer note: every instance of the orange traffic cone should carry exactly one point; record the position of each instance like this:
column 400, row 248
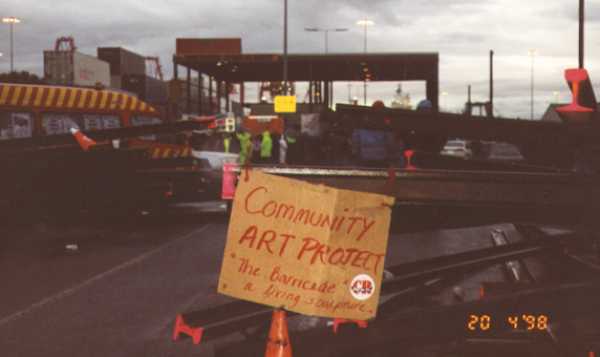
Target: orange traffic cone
column 278, row 342
column 83, row 140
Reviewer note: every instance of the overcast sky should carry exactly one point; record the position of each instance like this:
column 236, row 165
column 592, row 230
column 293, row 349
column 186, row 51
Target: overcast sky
column 461, row 31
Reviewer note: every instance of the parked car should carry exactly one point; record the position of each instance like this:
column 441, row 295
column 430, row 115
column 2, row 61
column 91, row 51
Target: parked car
column 457, row 148
column 216, row 159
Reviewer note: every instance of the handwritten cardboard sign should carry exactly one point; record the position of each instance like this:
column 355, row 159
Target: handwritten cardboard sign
column 308, row 248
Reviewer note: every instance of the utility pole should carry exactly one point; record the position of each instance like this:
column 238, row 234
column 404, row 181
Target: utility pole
column 532, row 54
column 491, row 113
column 365, row 82
column 365, row 23
column 581, row 37
column 469, row 109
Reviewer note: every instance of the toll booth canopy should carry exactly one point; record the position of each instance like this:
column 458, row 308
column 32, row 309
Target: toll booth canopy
column 226, row 65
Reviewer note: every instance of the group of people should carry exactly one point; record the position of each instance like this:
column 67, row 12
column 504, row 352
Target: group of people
column 340, row 145
column 266, row 148
column 358, row 147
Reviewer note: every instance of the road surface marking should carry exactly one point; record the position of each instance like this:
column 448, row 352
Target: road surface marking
column 90, row 281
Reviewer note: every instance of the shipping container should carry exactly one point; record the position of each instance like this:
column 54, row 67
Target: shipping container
column 74, row 68
column 148, row 89
column 122, row 61
column 208, row 46
column 115, row 82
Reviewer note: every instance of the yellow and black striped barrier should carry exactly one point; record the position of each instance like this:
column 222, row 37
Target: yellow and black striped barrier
column 69, row 98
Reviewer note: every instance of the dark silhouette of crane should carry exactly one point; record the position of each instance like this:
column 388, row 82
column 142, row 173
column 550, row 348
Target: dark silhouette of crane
column 65, row 43
column 155, row 67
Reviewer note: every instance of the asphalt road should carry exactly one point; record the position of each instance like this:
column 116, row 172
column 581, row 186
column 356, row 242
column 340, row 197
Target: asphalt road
column 119, row 293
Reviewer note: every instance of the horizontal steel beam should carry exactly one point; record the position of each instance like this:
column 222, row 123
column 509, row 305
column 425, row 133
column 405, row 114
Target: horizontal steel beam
column 308, row 67
column 418, row 272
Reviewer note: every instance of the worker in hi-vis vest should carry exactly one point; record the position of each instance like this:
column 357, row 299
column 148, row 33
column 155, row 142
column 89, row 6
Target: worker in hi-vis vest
column 266, row 147
column 245, row 147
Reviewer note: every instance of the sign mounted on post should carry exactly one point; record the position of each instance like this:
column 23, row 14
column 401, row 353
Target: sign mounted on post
column 285, row 104
column 311, row 249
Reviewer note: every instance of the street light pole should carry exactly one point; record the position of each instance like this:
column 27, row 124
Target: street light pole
column 349, row 93
column 365, row 23
column 366, row 36
column 532, row 54
column 11, row 21
column 12, row 48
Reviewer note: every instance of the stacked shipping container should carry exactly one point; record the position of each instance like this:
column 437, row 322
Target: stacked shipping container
column 121, row 62
column 72, row 68
column 128, row 72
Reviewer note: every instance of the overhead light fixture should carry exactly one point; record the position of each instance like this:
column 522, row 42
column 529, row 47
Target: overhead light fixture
column 11, row 20
column 365, row 22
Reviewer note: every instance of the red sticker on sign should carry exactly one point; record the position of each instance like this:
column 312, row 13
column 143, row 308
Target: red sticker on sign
column 362, row 287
